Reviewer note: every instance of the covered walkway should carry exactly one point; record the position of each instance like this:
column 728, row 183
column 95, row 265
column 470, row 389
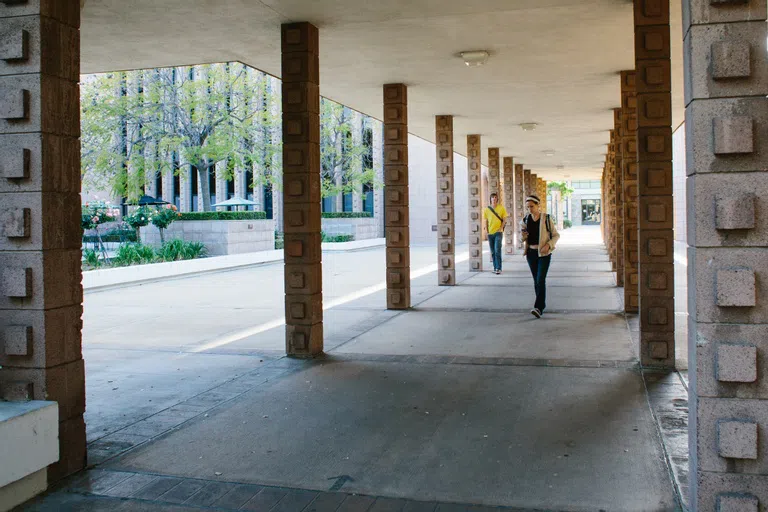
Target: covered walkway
column 464, row 399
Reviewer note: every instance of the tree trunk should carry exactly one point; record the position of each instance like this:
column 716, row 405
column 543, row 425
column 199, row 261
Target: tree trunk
column 162, row 236
column 204, row 187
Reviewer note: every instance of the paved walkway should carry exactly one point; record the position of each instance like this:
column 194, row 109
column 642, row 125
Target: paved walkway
column 462, row 402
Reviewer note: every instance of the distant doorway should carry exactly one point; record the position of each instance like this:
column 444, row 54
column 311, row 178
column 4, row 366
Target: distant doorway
column 590, row 211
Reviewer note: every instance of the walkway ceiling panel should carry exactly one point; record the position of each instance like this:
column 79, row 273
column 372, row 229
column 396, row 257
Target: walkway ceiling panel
column 553, row 62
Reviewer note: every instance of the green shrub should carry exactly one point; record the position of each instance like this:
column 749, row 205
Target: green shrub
column 175, row 250
column 223, row 216
column 279, row 240
column 115, row 235
column 338, row 238
column 347, row 215
column 567, row 224
column 133, row 254
column 91, row 258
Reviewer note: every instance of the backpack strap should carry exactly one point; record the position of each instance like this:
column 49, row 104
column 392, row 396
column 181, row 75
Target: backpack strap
column 496, row 214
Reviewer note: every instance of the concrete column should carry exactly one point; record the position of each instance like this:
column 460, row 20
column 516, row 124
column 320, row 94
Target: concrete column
column 446, row 220
column 396, row 196
column 603, row 181
column 475, row 189
column 240, row 190
column 654, row 134
column 526, row 184
column 726, row 82
column 519, row 211
column 185, row 194
column 40, row 279
column 357, row 141
column 378, row 170
column 221, row 183
column 619, row 184
column 508, row 196
column 168, row 181
column 610, row 192
column 301, row 190
column 493, row 172
column 629, row 176
column 484, row 202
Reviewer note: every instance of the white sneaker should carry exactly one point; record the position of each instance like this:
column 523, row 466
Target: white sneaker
column 535, row 312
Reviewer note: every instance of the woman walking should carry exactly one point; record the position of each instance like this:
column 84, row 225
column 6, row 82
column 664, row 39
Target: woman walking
column 540, row 236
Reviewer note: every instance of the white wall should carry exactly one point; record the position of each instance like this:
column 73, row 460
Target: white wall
column 422, row 183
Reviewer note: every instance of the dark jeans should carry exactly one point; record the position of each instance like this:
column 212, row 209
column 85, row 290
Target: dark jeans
column 539, row 267
column 494, row 241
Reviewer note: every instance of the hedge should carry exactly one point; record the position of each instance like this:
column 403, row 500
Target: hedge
column 223, row 216
column 347, row 215
column 116, row 235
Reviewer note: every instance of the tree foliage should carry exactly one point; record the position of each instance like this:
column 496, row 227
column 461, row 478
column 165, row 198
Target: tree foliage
column 141, row 123
column 560, row 186
column 210, row 118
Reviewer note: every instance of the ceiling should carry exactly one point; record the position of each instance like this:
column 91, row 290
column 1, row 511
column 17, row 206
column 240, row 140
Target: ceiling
column 553, row 62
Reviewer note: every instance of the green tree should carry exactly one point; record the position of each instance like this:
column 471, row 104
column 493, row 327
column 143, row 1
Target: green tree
column 341, row 157
column 560, row 186
column 132, row 122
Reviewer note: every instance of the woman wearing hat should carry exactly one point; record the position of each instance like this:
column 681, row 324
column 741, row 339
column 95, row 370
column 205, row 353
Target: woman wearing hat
column 540, row 236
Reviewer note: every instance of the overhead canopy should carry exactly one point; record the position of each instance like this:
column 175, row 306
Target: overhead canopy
column 553, row 62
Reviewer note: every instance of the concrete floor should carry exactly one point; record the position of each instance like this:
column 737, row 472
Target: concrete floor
column 464, row 399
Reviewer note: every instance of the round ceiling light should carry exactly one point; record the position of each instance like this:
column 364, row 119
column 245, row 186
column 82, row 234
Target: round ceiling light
column 549, row 152
column 528, row 127
column 474, row 58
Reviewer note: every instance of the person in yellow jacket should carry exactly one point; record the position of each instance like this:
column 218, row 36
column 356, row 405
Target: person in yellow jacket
column 495, row 217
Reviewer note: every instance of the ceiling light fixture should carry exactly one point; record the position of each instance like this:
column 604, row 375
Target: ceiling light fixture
column 528, row 127
column 560, row 167
column 549, row 152
column 474, row 58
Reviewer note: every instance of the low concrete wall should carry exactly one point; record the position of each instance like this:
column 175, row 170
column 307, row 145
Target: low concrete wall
column 126, row 276
column 29, row 442
column 221, row 237
column 364, row 228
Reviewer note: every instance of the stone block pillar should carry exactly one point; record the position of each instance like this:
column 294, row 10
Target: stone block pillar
column 541, row 189
column 726, row 83
column 527, row 184
column 610, row 199
column 619, row 192
column 378, row 171
column 41, row 294
column 654, row 155
column 519, row 211
column 493, row 172
column 446, row 221
column 628, row 147
column 475, row 189
column 301, row 189
column 396, row 196
column 508, row 197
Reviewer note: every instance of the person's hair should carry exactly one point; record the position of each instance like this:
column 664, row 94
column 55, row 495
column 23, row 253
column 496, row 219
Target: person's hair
column 533, row 198
column 494, row 194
